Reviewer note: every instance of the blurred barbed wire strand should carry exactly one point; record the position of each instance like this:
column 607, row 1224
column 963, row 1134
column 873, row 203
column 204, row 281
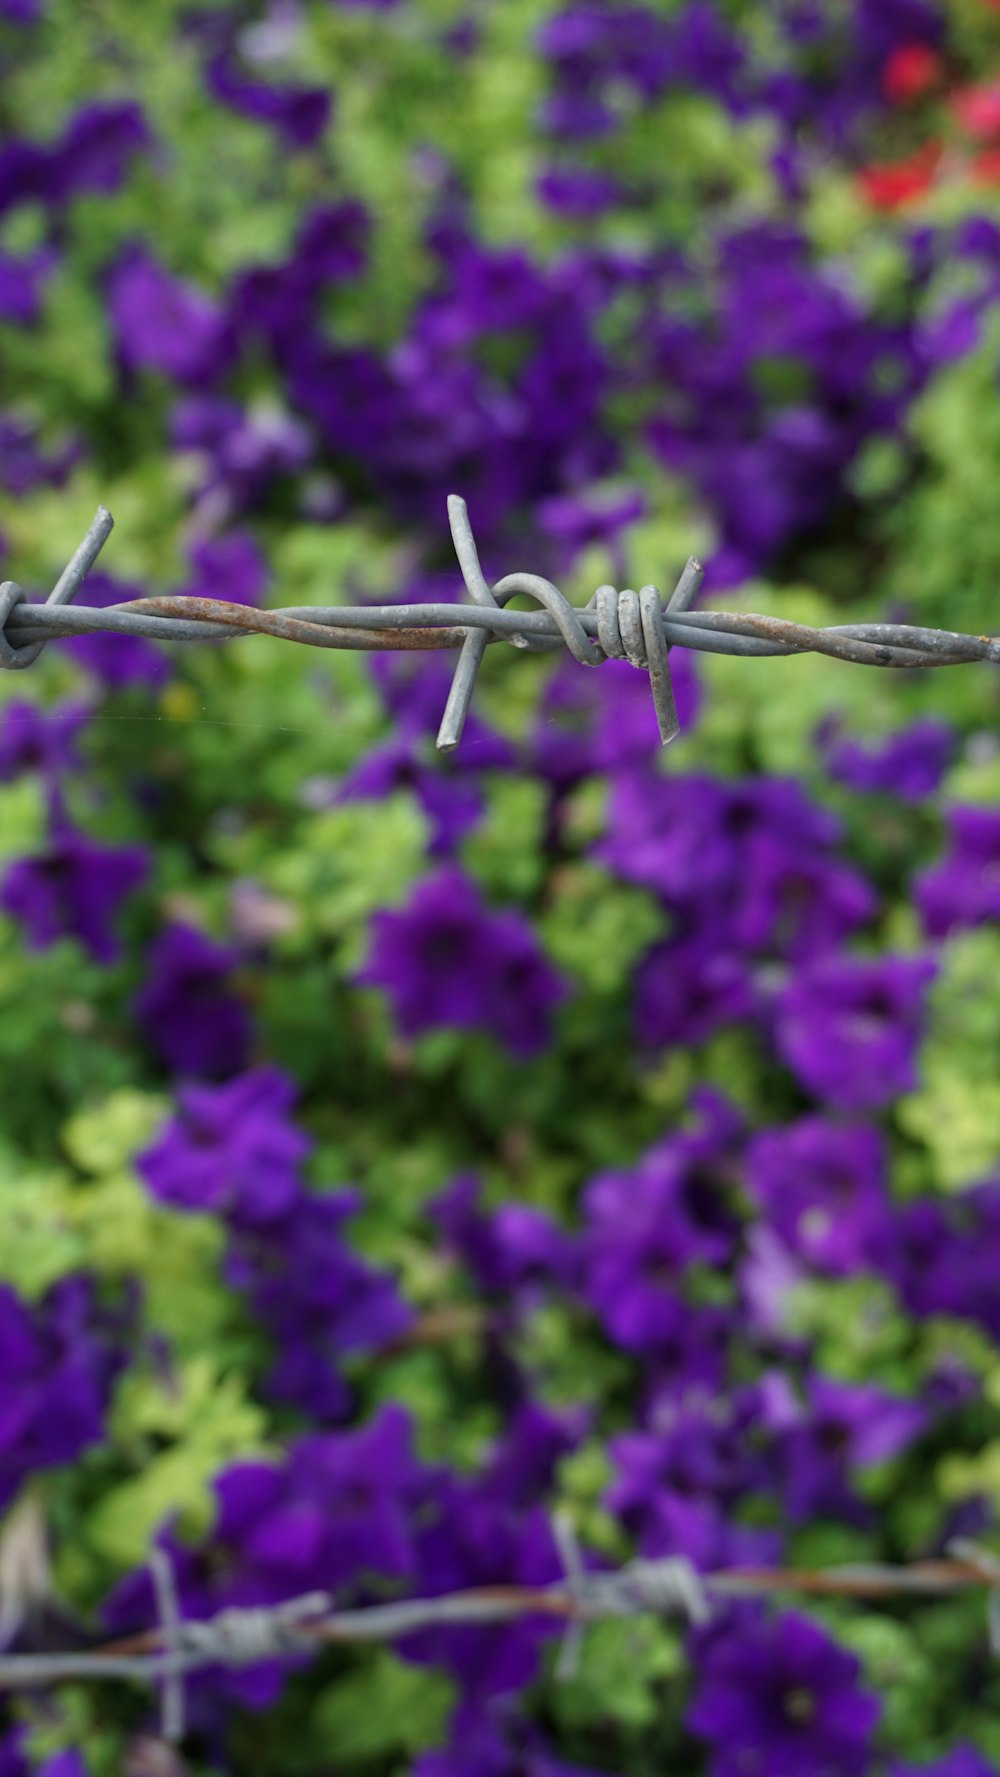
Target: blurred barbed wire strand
column 670, row 1586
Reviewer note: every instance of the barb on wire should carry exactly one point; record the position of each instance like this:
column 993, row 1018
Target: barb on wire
column 624, row 625
column 303, row 1626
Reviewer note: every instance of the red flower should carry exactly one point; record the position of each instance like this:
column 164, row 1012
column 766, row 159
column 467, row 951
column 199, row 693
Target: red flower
column 976, row 109
column 890, row 185
column 985, row 167
column 910, row 72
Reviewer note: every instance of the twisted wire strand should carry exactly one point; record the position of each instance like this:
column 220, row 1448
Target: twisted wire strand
column 625, row 625
column 670, row 1587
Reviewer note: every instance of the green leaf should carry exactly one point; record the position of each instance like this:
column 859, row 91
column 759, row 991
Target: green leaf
column 104, row 1137
column 504, row 851
column 956, row 1111
column 597, row 929
column 39, row 1242
column 176, row 1432
column 346, row 863
column 623, row 1671
column 386, row 1707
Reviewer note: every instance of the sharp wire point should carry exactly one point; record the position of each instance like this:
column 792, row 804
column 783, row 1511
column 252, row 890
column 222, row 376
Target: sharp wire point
column 613, row 625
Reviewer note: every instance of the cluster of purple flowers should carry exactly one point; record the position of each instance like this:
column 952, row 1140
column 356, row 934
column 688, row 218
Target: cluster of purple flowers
column 357, row 1513
column 445, row 960
column 232, row 1150
column 823, row 69
column 58, row 1358
column 761, row 907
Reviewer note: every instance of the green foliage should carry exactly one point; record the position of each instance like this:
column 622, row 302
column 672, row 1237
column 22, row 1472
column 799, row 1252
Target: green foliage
column 623, row 1672
column 101, row 1138
column 956, row 1111
column 339, row 868
column 597, row 935
column 504, row 851
column 173, row 1434
column 384, row 1709
column 945, row 543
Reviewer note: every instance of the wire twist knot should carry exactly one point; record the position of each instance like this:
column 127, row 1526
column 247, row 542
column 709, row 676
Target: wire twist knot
column 15, row 659
column 242, row 1637
column 668, row 1587
column 629, row 627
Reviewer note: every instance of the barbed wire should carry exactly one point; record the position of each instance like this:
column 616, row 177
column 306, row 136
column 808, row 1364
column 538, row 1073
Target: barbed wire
column 669, row 1587
column 625, row 625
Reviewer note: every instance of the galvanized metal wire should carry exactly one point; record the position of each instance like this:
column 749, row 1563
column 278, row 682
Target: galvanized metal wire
column 670, row 1587
column 624, row 625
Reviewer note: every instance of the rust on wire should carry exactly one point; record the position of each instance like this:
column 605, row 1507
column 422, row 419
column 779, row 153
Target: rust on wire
column 622, row 625
column 292, row 629
column 664, row 1587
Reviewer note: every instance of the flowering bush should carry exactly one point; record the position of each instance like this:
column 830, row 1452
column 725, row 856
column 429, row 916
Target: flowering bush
column 398, row 1147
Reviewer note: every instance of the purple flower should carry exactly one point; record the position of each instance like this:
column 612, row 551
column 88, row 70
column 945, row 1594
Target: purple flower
column 680, row 1481
column 645, row 1226
column 768, row 1274
column 230, row 1149
column 576, row 521
column 96, row 149
column 485, row 1745
column 297, row 114
column 21, row 281
column 776, row 1695
column 58, row 1360
column 315, row 1298
column 229, row 567
column 23, row 463
column 452, row 803
column 964, row 888
column 242, row 452
column 515, row 1248
column 13, row 1757
column 822, row 1187
column 943, row 1259
column 414, row 689
column 750, row 860
column 764, row 383
column 186, row 1012
column 74, row 888
column 93, row 154
column 795, row 902
column 13, row 1751
column 162, row 323
column 850, row 1027
column 35, row 739
column 594, row 49
column 522, row 1466
column 669, row 834
column 272, row 302
column 24, row 168
column 964, row 1760
column 448, row 960
column 68, row 1763
column 841, row 1427
column 471, row 1538
column 605, row 721
column 909, row 765
column 579, row 192
column 334, row 1514
column 234, row 1150
column 688, row 988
